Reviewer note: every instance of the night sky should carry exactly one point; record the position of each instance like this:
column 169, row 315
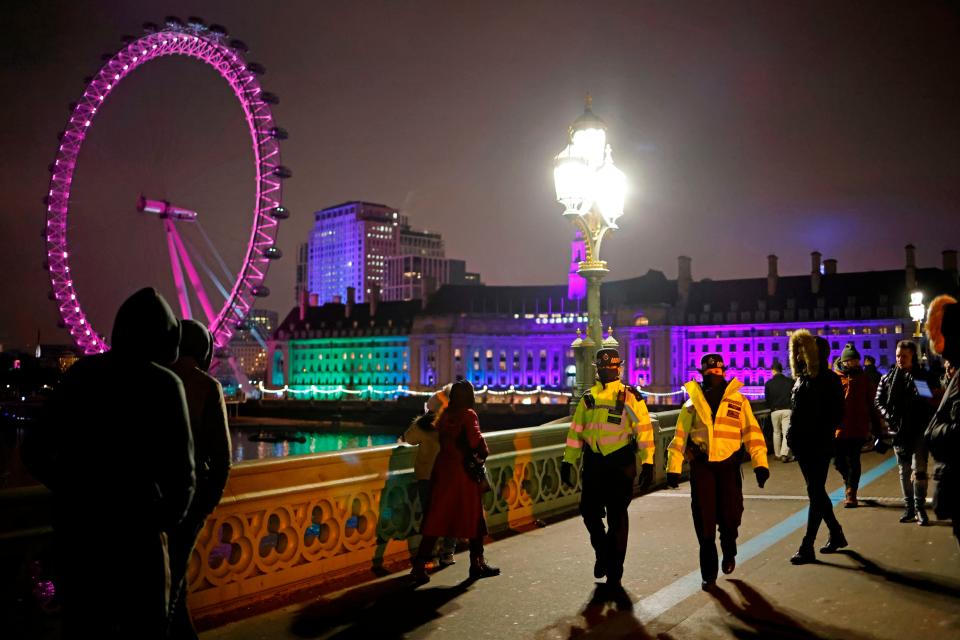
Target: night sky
column 745, row 128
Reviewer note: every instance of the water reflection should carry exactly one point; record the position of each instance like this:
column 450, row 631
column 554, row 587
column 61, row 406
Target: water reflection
column 258, row 444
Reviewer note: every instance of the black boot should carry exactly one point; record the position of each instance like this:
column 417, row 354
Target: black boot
column 921, row 509
column 834, row 542
column 804, row 554
column 480, row 569
column 909, row 515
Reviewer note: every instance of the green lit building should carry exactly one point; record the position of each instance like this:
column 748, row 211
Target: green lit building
column 344, row 351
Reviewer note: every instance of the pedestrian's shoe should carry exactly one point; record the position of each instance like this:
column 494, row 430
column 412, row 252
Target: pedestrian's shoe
column 835, row 542
column 728, row 565
column 480, row 569
column 922, row 518
column 909, row 515
column 708, row 585
column 804, row 555
column 419, row 572
column 446, row 559
column 850, row 498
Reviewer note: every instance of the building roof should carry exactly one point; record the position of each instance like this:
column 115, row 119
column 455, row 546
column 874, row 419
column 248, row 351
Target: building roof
column 390, row 317
column 653, row 287
column 875, row 289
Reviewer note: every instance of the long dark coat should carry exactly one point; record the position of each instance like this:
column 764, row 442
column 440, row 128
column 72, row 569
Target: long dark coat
column 456, row 509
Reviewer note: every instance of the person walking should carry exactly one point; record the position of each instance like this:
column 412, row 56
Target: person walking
column 456, row 509
column 611, row 430
column 942, row 436
column 854, row 430
column 817, row 404
column 423, row 434
column 211, row 446
column 908, row 413
column 713, row 425
column 776, row 393
column 114, row 448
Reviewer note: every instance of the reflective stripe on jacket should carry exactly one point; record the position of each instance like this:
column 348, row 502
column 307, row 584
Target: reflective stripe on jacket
column 604, row 431
column 735, row 425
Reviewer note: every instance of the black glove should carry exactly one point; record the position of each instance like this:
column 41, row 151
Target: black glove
column 646, row 476
column 566, row 473
column 673, row 480
column 763, row 474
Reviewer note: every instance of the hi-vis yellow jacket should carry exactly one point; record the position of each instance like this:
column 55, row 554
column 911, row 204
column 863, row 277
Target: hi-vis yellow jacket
column 606, row 430
column 735, row 425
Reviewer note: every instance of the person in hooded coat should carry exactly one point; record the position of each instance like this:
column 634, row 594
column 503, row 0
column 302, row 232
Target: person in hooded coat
column 858, row 418
column 942, row 435
column 211, row 447
column 817, row 406
column 114, row 447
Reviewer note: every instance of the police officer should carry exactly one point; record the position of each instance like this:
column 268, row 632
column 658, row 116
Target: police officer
column 611, row 428
column 712, row 425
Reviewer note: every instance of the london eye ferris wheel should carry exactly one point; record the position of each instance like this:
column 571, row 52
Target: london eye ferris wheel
column 211, row 46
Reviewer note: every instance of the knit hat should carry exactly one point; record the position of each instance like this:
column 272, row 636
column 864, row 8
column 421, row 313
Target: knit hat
column 849, row 353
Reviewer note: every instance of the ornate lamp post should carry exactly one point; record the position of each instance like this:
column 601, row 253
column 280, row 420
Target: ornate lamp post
column 592, row 191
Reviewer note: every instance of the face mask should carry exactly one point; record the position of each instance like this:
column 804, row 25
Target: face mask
column 608, row 374
column 712, row 380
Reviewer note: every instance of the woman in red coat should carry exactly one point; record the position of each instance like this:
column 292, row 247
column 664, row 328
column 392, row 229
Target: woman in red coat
column 855, row 427
column 456, row 509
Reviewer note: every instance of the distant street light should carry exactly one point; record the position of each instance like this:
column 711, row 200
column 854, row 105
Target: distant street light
column 592, row 190
column 917, row 311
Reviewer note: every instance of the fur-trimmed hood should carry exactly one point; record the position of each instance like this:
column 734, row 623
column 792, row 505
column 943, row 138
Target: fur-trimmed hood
column 809, row 354
column 943, row 326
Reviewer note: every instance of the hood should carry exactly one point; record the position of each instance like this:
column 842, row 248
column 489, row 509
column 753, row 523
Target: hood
column 196, row 342
column 943, row 327
column 145, row 329
column 804, row 354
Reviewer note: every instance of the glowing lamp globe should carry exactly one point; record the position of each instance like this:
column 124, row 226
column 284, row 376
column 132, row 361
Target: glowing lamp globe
column 916, row 307
column 610, row 190
column 572, row 177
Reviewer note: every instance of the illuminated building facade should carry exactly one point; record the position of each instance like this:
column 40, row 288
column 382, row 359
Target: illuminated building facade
column 356, row 346
column 521, row 336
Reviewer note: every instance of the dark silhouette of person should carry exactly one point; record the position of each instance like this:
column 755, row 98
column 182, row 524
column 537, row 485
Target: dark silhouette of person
column 817, row 411
column 114, row 448
column 211, row 449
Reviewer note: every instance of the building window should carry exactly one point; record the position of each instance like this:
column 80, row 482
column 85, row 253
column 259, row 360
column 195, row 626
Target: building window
column 733, row 348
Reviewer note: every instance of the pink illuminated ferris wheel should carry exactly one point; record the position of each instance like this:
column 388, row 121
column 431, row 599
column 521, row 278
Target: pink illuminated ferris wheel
column 209, row 45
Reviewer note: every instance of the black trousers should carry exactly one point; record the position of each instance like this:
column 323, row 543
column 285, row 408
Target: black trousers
column 847, row 461
column 607, row 488
column 814, row 469
column 716, row 499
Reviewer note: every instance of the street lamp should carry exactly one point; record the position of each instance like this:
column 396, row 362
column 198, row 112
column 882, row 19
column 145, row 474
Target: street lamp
column 917, row 311
column 592, row 190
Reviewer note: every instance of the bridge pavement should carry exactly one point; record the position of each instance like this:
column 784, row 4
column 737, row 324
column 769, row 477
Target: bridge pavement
column 895, row 581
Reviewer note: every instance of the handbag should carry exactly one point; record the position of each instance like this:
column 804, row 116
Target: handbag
column 474, row 464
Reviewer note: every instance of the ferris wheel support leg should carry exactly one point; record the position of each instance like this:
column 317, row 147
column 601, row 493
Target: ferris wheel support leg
column 177, row 271
column 194, row 277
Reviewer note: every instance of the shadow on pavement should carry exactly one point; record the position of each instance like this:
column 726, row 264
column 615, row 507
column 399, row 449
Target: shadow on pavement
column 919, row 581
column 383, row 610
column 608, row 614
column 765, row 619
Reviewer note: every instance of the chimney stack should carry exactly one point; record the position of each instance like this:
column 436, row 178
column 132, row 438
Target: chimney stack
column 351, row 299
column 684, row 279
column 950, row 263
column 815, row 272
column 373, row 299
column 911, row 268
column 830, row 266
column 303, row 304
column 772, row 275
